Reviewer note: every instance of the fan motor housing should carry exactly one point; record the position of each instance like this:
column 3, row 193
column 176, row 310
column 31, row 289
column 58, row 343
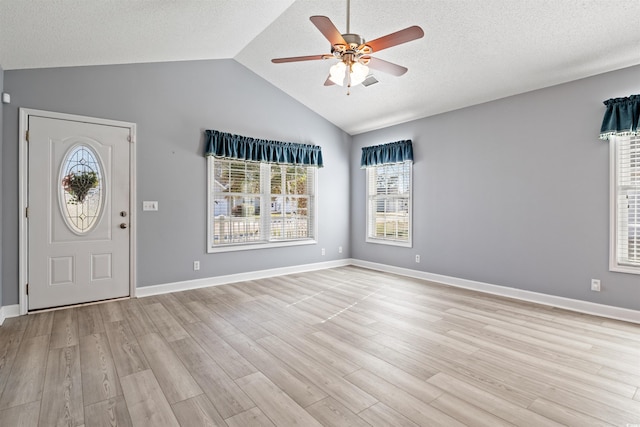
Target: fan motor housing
column 354, row 40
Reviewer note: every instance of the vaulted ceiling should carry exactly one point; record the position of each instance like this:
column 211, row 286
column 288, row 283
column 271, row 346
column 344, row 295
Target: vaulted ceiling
column 472, row 51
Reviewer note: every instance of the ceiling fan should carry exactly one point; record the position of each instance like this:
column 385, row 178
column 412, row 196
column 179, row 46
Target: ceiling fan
column 354, row 54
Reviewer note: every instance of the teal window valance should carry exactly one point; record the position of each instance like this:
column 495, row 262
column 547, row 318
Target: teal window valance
column 226, row 145
column 393, row 152
column 620, row 117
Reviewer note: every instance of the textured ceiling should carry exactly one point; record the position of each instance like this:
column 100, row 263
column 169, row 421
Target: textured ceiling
column 472, row 52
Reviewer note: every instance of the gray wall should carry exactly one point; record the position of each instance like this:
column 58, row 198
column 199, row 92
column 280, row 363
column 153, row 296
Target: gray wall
column 172, row 103
column 513, row 192
column 1, row 190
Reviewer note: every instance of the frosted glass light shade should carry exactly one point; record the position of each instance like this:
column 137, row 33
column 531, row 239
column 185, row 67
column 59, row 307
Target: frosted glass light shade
column 337, row 73
column 359, row 72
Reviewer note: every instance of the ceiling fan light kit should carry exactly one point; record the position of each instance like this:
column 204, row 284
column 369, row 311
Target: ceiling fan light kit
column 353, row 53
column 352, row 72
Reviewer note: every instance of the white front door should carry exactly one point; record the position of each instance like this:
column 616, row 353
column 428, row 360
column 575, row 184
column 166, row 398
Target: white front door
column 78, row 212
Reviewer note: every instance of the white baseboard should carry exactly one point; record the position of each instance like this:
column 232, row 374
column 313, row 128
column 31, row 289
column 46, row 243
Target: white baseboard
column 596, row 309
column 7, row 311
column 233, row 278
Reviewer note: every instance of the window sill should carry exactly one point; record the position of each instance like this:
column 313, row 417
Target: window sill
column 260, row 245
column 624, row 269
column 389, row 242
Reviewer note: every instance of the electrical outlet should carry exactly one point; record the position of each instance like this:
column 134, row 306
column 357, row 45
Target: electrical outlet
column 595, row 285
column 339, row 249
column 417, row 258
column 196, row 265
column 323, row 252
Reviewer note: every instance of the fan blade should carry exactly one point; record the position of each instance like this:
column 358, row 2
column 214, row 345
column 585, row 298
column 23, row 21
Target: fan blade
column 394, row 39
column 328, row 82
column 301, row 58
column 385, row 66
column 328, row 30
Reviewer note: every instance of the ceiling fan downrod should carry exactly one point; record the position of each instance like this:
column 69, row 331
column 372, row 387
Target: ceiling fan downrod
column 348, row 15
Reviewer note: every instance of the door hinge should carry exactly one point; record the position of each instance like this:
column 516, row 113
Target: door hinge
column 27, row 135
column 129, row 138
column 27, row 289
column 26, row 212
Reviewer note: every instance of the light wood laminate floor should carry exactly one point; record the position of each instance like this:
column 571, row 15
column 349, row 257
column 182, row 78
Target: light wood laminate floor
column 339, row 347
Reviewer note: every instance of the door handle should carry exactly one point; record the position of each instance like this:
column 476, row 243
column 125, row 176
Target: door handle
column 123, row 225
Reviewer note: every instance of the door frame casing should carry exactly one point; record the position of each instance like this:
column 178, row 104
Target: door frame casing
column 23, row 194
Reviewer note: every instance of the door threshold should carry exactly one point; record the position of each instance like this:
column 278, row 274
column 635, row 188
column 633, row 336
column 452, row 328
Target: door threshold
column 82, row 304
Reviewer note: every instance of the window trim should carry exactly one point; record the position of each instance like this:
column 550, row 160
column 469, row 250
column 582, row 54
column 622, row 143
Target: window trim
column 614, row 265
column 389, row 242
column 233, row 247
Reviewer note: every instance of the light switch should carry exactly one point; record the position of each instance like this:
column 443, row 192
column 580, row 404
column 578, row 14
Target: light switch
column 149, row 206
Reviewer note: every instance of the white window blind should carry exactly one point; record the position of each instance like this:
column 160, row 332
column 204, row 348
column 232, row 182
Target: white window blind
column 254, row 203
column 626, row 204
column 389, row 191
column 292, row 210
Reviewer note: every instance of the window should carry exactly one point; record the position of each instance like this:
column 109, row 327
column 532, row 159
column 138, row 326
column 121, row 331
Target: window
column 255, row 205
column 389, row 203
column 81, row 190
column 625, row 201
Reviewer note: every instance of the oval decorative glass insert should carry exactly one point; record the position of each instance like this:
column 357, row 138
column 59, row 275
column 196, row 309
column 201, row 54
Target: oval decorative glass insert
column 81, row 189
